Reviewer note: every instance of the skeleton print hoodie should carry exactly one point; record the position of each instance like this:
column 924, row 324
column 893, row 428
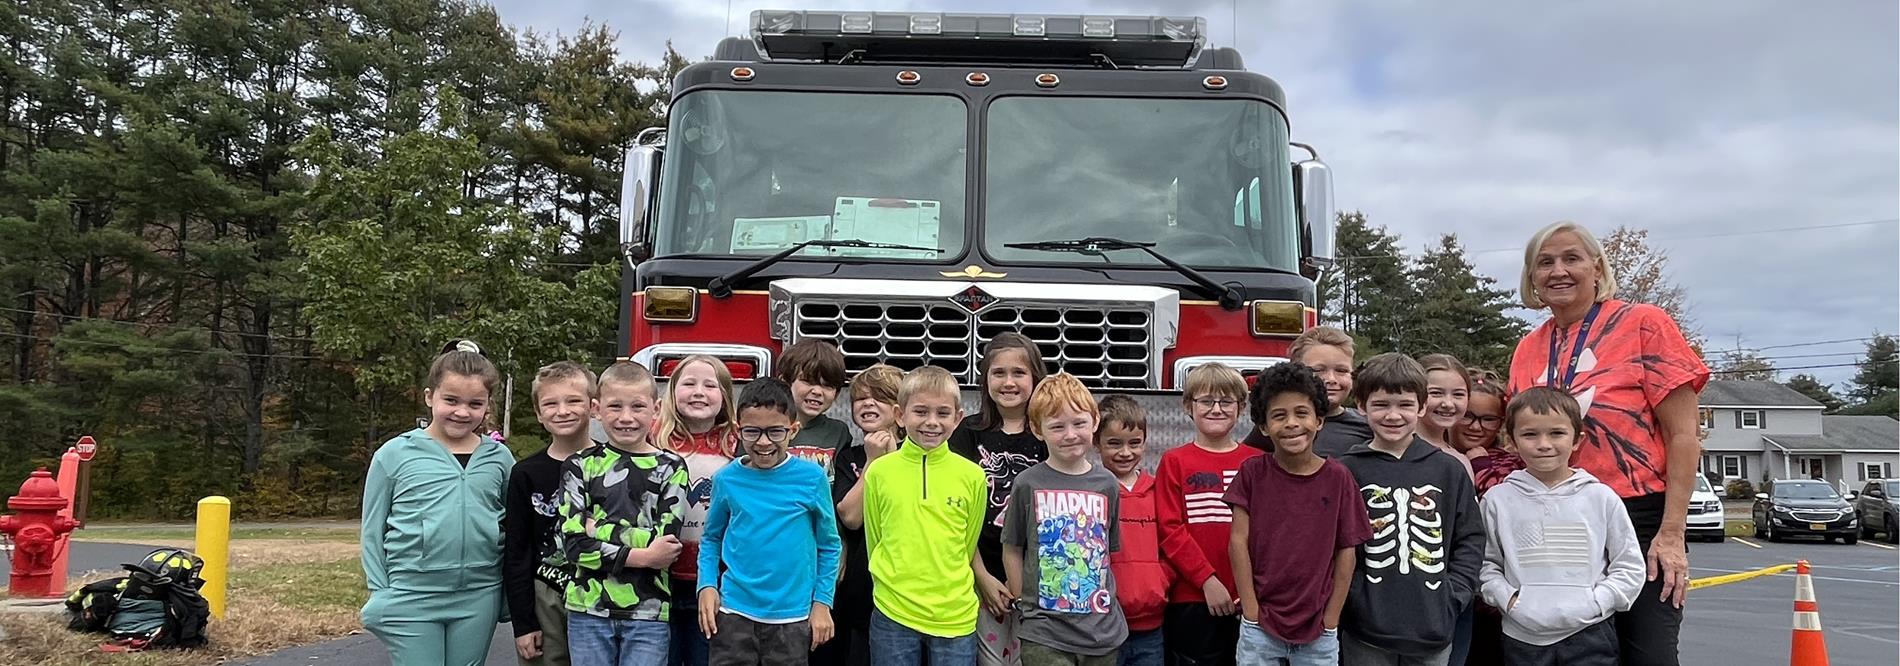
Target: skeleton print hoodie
column 1420, row 569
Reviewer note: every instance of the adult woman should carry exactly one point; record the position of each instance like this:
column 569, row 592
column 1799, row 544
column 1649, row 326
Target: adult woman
column 1637, row 379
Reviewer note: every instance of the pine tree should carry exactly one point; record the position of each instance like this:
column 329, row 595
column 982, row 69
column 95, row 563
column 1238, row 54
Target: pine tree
column 1809, row 386
column 1373, row 294
column 1460, row 312
column 1879, row 374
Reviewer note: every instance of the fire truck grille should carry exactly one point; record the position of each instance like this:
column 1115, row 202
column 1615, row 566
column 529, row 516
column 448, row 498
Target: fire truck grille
column 1104, row 347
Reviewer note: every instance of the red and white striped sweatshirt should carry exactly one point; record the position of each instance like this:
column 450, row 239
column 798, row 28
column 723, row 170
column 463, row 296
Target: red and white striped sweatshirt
column 1195, row 521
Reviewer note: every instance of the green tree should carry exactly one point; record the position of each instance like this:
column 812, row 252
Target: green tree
column 399, row 260
column 1371, row 295
column 1809, row 386
column 1458, row 311
column 1878, row 380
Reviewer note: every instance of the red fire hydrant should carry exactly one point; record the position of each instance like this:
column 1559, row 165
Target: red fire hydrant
column 38, row 533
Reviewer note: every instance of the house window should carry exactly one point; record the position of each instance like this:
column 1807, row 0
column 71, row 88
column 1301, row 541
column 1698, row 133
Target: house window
column 1708, row 419
column 1734, row 467
column 1750, row 419
column 1870, row 471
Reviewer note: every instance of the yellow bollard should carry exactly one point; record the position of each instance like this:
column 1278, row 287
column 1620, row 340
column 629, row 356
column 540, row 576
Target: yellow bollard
column 214, row 546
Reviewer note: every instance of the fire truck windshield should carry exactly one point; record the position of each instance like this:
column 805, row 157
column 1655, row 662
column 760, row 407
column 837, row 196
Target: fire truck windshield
column 754, row 172
column 1206, row 180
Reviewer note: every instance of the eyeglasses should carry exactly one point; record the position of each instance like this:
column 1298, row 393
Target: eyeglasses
column 1210, row 403
column 1486, row 421
column 776, row 435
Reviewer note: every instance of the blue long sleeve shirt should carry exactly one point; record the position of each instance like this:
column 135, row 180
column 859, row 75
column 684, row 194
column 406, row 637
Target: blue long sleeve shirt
column 775, row 534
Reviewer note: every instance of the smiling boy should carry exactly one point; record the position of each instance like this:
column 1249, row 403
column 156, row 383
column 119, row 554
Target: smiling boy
column 814, row 370
column 1328, row 352
column 1420, row 568
column 923, row 509
column 768, row 559
column 1561, row 557
column 1200, row 626
column 1058, row 533
column 535, row 572
column 1297, row 518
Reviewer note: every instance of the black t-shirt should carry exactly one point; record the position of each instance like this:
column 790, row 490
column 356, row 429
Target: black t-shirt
column 851, row 604
column 1002, row 456
column 1340, row 432
column 462, row 458
column 529, row 529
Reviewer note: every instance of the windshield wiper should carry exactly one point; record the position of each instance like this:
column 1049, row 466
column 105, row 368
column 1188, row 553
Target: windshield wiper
column 721, row 286
column 1227, row 294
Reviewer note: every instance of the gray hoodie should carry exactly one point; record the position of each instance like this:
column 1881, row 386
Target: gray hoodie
column 1569, row 553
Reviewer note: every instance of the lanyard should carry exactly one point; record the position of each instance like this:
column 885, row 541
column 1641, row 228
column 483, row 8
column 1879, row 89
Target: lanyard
column 1576, row 350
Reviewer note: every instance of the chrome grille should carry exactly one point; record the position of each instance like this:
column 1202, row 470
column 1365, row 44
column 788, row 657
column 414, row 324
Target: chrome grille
column 906, row 335
column 1110, row 338
column 1105, row 348
column 1820, row 516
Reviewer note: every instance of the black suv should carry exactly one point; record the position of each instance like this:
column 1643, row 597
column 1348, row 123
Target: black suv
column 1879, row 505
column 1802, row 507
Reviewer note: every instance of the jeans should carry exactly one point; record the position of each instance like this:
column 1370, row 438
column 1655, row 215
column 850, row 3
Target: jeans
column 1259, row 647
column 1461, row 634
column 1143, row 648
column 688, row 647
column 598, row 641
column 893, row 644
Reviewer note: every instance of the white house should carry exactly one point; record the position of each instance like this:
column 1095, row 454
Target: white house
column 1760, row 430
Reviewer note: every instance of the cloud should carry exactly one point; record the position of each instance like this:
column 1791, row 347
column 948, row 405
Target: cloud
column 1490, row 119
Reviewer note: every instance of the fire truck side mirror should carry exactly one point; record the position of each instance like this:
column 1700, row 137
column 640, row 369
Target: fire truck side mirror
column 1313, row 187
column 638, row 184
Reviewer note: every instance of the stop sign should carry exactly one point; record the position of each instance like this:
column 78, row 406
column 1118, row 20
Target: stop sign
column 86, row 447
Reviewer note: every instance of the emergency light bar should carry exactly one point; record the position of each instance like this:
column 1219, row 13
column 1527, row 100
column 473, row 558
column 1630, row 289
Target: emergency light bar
column 1120, row 41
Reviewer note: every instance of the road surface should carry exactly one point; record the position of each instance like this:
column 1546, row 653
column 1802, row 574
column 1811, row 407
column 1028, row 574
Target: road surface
column 93, row 556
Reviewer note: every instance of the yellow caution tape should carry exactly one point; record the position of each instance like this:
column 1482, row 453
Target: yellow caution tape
column 1725, row 579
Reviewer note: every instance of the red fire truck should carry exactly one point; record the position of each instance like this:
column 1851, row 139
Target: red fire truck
column 908, row 185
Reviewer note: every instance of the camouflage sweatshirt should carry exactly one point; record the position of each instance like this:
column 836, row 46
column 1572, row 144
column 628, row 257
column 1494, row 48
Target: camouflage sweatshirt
column 613, row 501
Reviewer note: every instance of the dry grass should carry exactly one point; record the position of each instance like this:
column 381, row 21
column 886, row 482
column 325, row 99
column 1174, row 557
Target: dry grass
column 283, row 593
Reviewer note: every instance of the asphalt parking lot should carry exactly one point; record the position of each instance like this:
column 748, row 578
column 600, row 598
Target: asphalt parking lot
column 1750, row 622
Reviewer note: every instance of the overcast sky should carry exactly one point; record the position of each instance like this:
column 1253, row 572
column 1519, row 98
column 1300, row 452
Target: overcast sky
column 1700, row 121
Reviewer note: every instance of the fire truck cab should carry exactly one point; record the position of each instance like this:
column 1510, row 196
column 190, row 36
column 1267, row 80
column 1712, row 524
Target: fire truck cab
column 908, row 185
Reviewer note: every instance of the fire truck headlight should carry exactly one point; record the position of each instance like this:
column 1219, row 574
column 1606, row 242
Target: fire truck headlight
column 1278, row 318
column 672, row 304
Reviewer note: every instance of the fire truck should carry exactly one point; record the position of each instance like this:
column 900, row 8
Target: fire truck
column 909, row 185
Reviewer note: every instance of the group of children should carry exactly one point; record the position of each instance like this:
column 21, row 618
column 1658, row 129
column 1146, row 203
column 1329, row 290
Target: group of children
column 714, row 529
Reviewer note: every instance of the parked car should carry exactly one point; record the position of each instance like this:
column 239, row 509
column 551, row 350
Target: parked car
column 1879, row 504
column 1705, row 512
column 1802, row 507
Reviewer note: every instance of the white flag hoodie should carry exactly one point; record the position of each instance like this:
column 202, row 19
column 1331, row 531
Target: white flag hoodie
column 1569, row 553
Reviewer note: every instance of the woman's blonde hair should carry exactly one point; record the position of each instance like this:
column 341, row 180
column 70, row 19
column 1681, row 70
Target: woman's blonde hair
column 672, row 425
column 1606, row 278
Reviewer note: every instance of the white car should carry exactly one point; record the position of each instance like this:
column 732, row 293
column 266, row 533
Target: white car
column 1705, row 512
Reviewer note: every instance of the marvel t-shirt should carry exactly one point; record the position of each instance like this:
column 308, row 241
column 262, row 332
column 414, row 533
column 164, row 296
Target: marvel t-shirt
column 1067, row 526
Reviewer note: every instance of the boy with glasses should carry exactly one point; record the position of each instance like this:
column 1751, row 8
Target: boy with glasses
column 768, row 560
column 1199, row 626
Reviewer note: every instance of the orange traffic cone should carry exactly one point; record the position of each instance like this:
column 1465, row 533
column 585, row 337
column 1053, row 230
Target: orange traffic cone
column 1810, row 647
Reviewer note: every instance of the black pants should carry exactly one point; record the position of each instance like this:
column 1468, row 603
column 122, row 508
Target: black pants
column 744, row 642
column 1647, row 632
column 850, row 645
column 1596, row 645
column 1194, row 637
column 1487, row 635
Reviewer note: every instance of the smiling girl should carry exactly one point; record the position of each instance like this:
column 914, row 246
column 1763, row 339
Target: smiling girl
column 697, row 421
column 431, row 535
column 1447, row 392
column 999, row 440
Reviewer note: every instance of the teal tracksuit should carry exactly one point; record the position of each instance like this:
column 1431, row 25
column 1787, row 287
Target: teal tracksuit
column 432, row 549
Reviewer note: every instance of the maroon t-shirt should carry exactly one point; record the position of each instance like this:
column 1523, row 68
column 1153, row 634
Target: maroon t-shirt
column 1296, row 525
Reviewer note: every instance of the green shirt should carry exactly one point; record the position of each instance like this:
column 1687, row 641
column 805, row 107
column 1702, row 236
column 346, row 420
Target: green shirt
column 631, row 499
column 923, row 510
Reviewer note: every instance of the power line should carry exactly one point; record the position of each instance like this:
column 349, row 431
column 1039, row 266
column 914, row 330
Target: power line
column 1798, row 367
column 1719, row 234
column 1814, row 344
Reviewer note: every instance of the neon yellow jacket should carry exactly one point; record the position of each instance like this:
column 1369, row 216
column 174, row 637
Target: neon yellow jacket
column 922, row 512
